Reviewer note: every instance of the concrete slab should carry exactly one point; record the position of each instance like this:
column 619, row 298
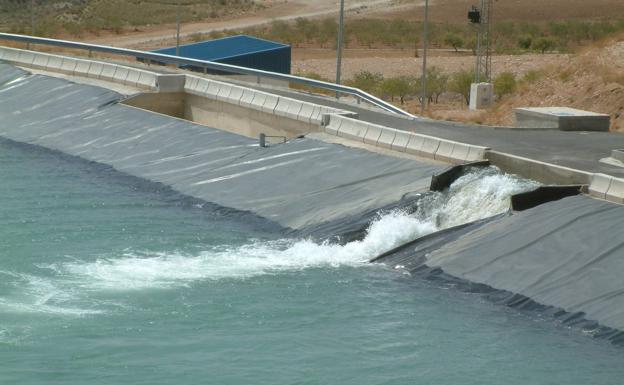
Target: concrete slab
column 213, row 89
column 95, row 70
column 335, row 123
column 372, row 134
column 270, row 102
column 108, row 71
column 247, row 97
column 40, row 60
column 430, row 146
column 616, row 191
column 561, row 118
column 26, row 57
column 121, row 74
column 224, row 92
column 387, row 137
column 69, row 65
column 400, row 141
column 55, row 62
column 305, row 114
column 444, row 151
column 293, row 109
column 460, row 152
column 82, row 67
column 258, row 100
column 353, row 129
column 235, row 95
column 415, row 144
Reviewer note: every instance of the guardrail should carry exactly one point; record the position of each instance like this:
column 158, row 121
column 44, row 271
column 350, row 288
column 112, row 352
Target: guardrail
column 169, row 59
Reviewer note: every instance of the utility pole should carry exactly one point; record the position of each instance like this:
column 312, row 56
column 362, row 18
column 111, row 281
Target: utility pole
column 32, row 17
column 423, row 100
column 178, row 30
column 340, row 34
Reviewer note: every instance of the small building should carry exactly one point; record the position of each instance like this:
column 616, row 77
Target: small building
column 240, row 50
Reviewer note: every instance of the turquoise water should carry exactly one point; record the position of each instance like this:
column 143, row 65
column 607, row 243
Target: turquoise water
column 106, row 280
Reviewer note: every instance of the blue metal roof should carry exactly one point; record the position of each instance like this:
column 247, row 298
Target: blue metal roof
column 227, row 47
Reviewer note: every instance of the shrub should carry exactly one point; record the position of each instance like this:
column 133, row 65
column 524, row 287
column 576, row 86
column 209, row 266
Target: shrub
column 504, row 84
column 543, row 44
column 525, row 41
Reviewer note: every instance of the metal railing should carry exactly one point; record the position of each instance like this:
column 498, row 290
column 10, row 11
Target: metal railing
column 206, row 65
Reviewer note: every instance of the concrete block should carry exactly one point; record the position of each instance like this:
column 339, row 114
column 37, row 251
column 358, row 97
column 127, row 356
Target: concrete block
column 147, row 79
column 353, row 129
column 600, row 185
column 40, row 60
column 108, row 71
column 25, row 57
column 293, row 109
column 316, row 117
column 121, row 74
column 372, row 134
column 213, row 90
column 305, row 114
column 247, row 97
column 387, row 137
column 400, row 141
column 173, row 83
column 202, row 86
column 3, row 53
column 224, row 92
column 11, row 55
column 445, row 150
column 561, row 118
column 481, row 95
column 55, row 62
column 258, row 100
column 133, row 77
column 82, row 67
column 335, row 122
column 415, row 144
column 270, row 102
column 235, row 95
column 190, row 84
column 68, row 65
column 281, row 108
column 95, row 69
column 430, row 146
column 616, row 191
column 476, row 153
column 460, row 152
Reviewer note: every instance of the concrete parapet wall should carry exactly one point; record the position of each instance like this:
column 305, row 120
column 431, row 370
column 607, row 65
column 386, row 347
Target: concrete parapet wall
column 109, row 72
column 540, row 171
column 607, row 187
column 404, row 141
column 235, row 95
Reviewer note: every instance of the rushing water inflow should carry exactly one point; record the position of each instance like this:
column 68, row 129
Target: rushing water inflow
column 104, row 280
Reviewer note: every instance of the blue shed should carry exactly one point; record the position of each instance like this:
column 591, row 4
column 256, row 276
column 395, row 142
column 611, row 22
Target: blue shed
column 240, row 50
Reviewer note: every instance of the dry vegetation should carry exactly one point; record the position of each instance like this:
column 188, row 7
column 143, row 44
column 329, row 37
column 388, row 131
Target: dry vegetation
column 79, row 17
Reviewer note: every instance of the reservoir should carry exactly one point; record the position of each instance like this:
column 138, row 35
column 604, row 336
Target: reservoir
column 106, row 279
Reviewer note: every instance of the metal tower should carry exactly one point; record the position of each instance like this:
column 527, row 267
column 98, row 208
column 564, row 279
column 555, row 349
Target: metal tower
column 483, row 70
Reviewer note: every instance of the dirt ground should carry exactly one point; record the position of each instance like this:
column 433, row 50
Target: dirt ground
column 397, row 63
column 455, row 11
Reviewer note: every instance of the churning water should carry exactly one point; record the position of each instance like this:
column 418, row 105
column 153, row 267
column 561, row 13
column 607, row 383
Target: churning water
column 105, row 280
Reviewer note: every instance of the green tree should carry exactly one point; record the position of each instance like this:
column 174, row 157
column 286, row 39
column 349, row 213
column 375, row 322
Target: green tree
column 398, row 86
column 460, row 83
column 437, row 83
column 454, row 40
column 366, row 81
column 525, row 41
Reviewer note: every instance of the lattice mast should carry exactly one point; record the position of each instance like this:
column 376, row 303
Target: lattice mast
column 482, row 18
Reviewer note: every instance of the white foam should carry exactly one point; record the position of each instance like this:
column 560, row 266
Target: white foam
column 476, row 195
